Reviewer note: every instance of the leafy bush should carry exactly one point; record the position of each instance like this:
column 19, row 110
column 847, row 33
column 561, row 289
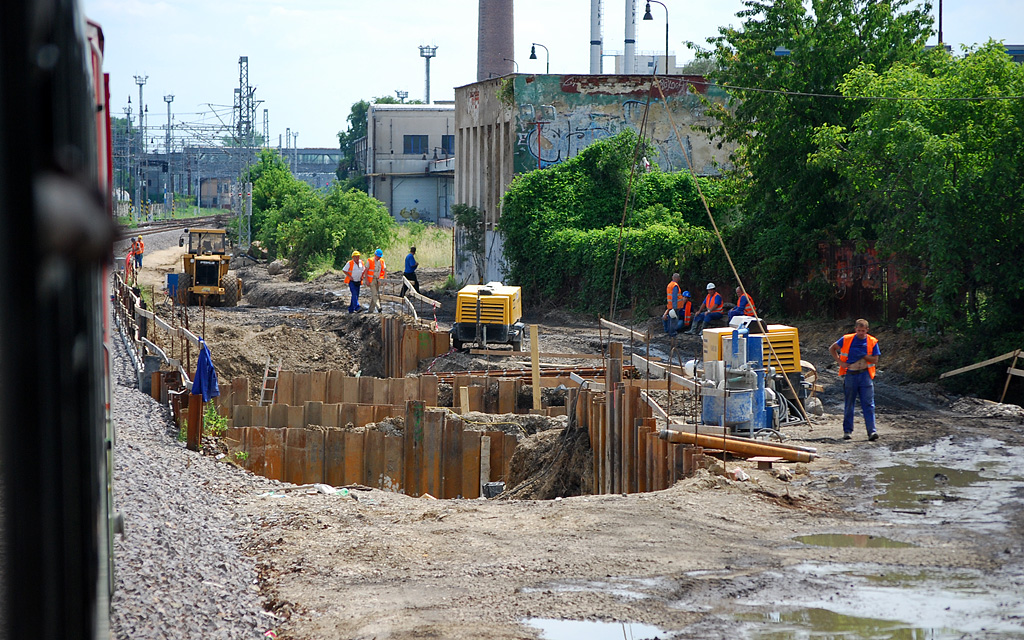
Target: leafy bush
column 562, row 226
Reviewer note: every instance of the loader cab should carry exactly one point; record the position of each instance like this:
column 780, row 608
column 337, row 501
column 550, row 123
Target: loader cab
column 204, row 242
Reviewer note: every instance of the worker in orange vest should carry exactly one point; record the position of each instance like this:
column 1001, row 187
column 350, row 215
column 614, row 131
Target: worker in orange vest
column 710, row 310
column 354, row 271
column 375, row 272
column 678, row 308
column 857, row 354
column 138, row 246
column 744, row 305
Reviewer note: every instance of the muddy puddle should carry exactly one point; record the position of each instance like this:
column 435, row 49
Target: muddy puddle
column 592, row 630
column 852, row 540
column 624, row 588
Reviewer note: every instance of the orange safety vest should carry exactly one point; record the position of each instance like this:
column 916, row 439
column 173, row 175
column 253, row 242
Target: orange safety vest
column 687, row 312
column 844, row 352
column 348, row 271
column 371, row 269
column 749, row 309
column 142, row 246
column 709, row 301
column 668, row 293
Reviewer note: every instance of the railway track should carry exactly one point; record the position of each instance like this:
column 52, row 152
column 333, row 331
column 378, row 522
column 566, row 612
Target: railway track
column 161, row 226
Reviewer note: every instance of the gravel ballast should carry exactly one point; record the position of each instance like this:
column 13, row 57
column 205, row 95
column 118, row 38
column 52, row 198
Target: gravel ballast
column 180, row 572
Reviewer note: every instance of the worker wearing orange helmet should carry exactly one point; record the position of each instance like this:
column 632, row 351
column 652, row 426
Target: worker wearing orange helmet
column 354, row 271
column 138, row 246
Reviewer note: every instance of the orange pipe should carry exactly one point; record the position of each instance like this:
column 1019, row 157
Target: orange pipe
column 746, row 449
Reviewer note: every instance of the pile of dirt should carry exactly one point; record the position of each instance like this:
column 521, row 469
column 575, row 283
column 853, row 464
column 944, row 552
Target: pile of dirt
column 551, row 464
column 980, row 408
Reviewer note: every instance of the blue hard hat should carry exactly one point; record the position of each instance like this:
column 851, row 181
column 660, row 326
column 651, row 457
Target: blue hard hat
column 686, row 294
column 378, row 253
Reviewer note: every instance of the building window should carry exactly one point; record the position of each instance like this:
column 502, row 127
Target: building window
column 448, row 145
column 415, row 145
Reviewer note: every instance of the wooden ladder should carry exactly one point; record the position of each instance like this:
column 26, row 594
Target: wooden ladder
column 268, row 391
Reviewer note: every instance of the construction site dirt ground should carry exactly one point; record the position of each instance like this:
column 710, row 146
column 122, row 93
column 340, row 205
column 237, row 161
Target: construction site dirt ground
column 917, row 535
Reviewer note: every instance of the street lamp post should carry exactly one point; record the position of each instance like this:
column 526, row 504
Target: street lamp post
column 402, row 95
column 648, row 16
column 547, row 54
column 514, row 63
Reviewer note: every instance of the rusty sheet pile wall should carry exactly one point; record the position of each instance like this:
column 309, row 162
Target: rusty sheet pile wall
column 434, row 455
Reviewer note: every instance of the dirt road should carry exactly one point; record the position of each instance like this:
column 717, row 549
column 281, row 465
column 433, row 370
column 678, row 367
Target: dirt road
column 918, row 535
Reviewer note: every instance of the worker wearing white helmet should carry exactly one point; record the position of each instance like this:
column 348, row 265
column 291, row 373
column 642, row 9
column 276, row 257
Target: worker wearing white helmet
column 710, row 310
column 354, row 270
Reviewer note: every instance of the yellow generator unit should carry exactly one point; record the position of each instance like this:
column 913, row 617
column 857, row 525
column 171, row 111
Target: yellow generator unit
column 487, row 314
column 785, row 340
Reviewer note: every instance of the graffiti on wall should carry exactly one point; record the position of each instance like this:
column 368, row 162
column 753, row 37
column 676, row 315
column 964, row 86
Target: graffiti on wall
column 557, row 117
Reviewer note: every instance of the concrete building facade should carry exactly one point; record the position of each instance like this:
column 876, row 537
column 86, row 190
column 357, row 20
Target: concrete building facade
column 408, row 159
column 511, row 125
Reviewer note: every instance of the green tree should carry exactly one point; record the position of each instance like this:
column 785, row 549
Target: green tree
column 272, row 183
column 938, row 179
column 791, row 206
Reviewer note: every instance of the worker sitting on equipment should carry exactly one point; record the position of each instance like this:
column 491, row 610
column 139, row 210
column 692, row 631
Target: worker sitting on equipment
column 678, row 310
column 744, row 305
column 710, row 310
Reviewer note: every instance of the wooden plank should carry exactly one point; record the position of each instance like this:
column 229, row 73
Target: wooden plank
column 623, row 331
column 295, row 455
column 318, row 386
column 353, row 468
column 274, row 461
column 451, row 458
column 1015, row 372
column 413, row 448
column 506, row 396
column 534, row 365
column 433, row 438
column 334, row 458
column 391, row 480
column 316, row 446
column 335, row 387
column 978, row 365
column 373, row 459
column 485, row 461
column 551, row 356
column 412, row 293
column 428, row 390
column 463, row 400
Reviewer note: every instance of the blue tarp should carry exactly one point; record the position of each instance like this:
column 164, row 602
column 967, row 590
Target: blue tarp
column 205, row 381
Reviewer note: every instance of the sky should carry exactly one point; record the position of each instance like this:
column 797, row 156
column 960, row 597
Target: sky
column 309, row 60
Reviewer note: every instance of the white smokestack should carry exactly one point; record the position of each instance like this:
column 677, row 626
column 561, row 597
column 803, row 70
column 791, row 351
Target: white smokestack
column 596, row 46
column 629, row 51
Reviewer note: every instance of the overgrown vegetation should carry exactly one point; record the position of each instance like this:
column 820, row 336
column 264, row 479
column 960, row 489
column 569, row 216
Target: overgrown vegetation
column 314, row 231
column 562, row 226
column 214, row 424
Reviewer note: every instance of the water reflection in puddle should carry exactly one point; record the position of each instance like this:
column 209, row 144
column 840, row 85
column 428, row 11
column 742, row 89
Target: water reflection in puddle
column 852, row 540
column 908, row 486
column 591, row 630
column 821, row 623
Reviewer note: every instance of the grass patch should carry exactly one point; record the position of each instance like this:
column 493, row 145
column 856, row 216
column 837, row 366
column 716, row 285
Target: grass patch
column 433, row 246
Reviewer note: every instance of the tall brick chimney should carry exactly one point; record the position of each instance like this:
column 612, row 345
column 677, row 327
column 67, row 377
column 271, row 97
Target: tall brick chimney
column 495, row 44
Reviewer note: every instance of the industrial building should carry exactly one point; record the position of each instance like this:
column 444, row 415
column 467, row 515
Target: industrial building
column 409, row 159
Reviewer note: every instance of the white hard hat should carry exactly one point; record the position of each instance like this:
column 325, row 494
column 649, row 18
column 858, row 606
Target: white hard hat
column 711, row 285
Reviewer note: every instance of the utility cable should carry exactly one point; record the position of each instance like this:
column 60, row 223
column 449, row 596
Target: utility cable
column 625, row 206
column 721, row 241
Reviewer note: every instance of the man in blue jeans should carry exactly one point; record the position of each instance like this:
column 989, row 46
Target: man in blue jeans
column 857, row 353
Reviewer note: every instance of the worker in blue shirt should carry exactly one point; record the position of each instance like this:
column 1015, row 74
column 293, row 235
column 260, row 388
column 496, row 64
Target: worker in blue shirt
column 857, row 353
column 410, row 271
